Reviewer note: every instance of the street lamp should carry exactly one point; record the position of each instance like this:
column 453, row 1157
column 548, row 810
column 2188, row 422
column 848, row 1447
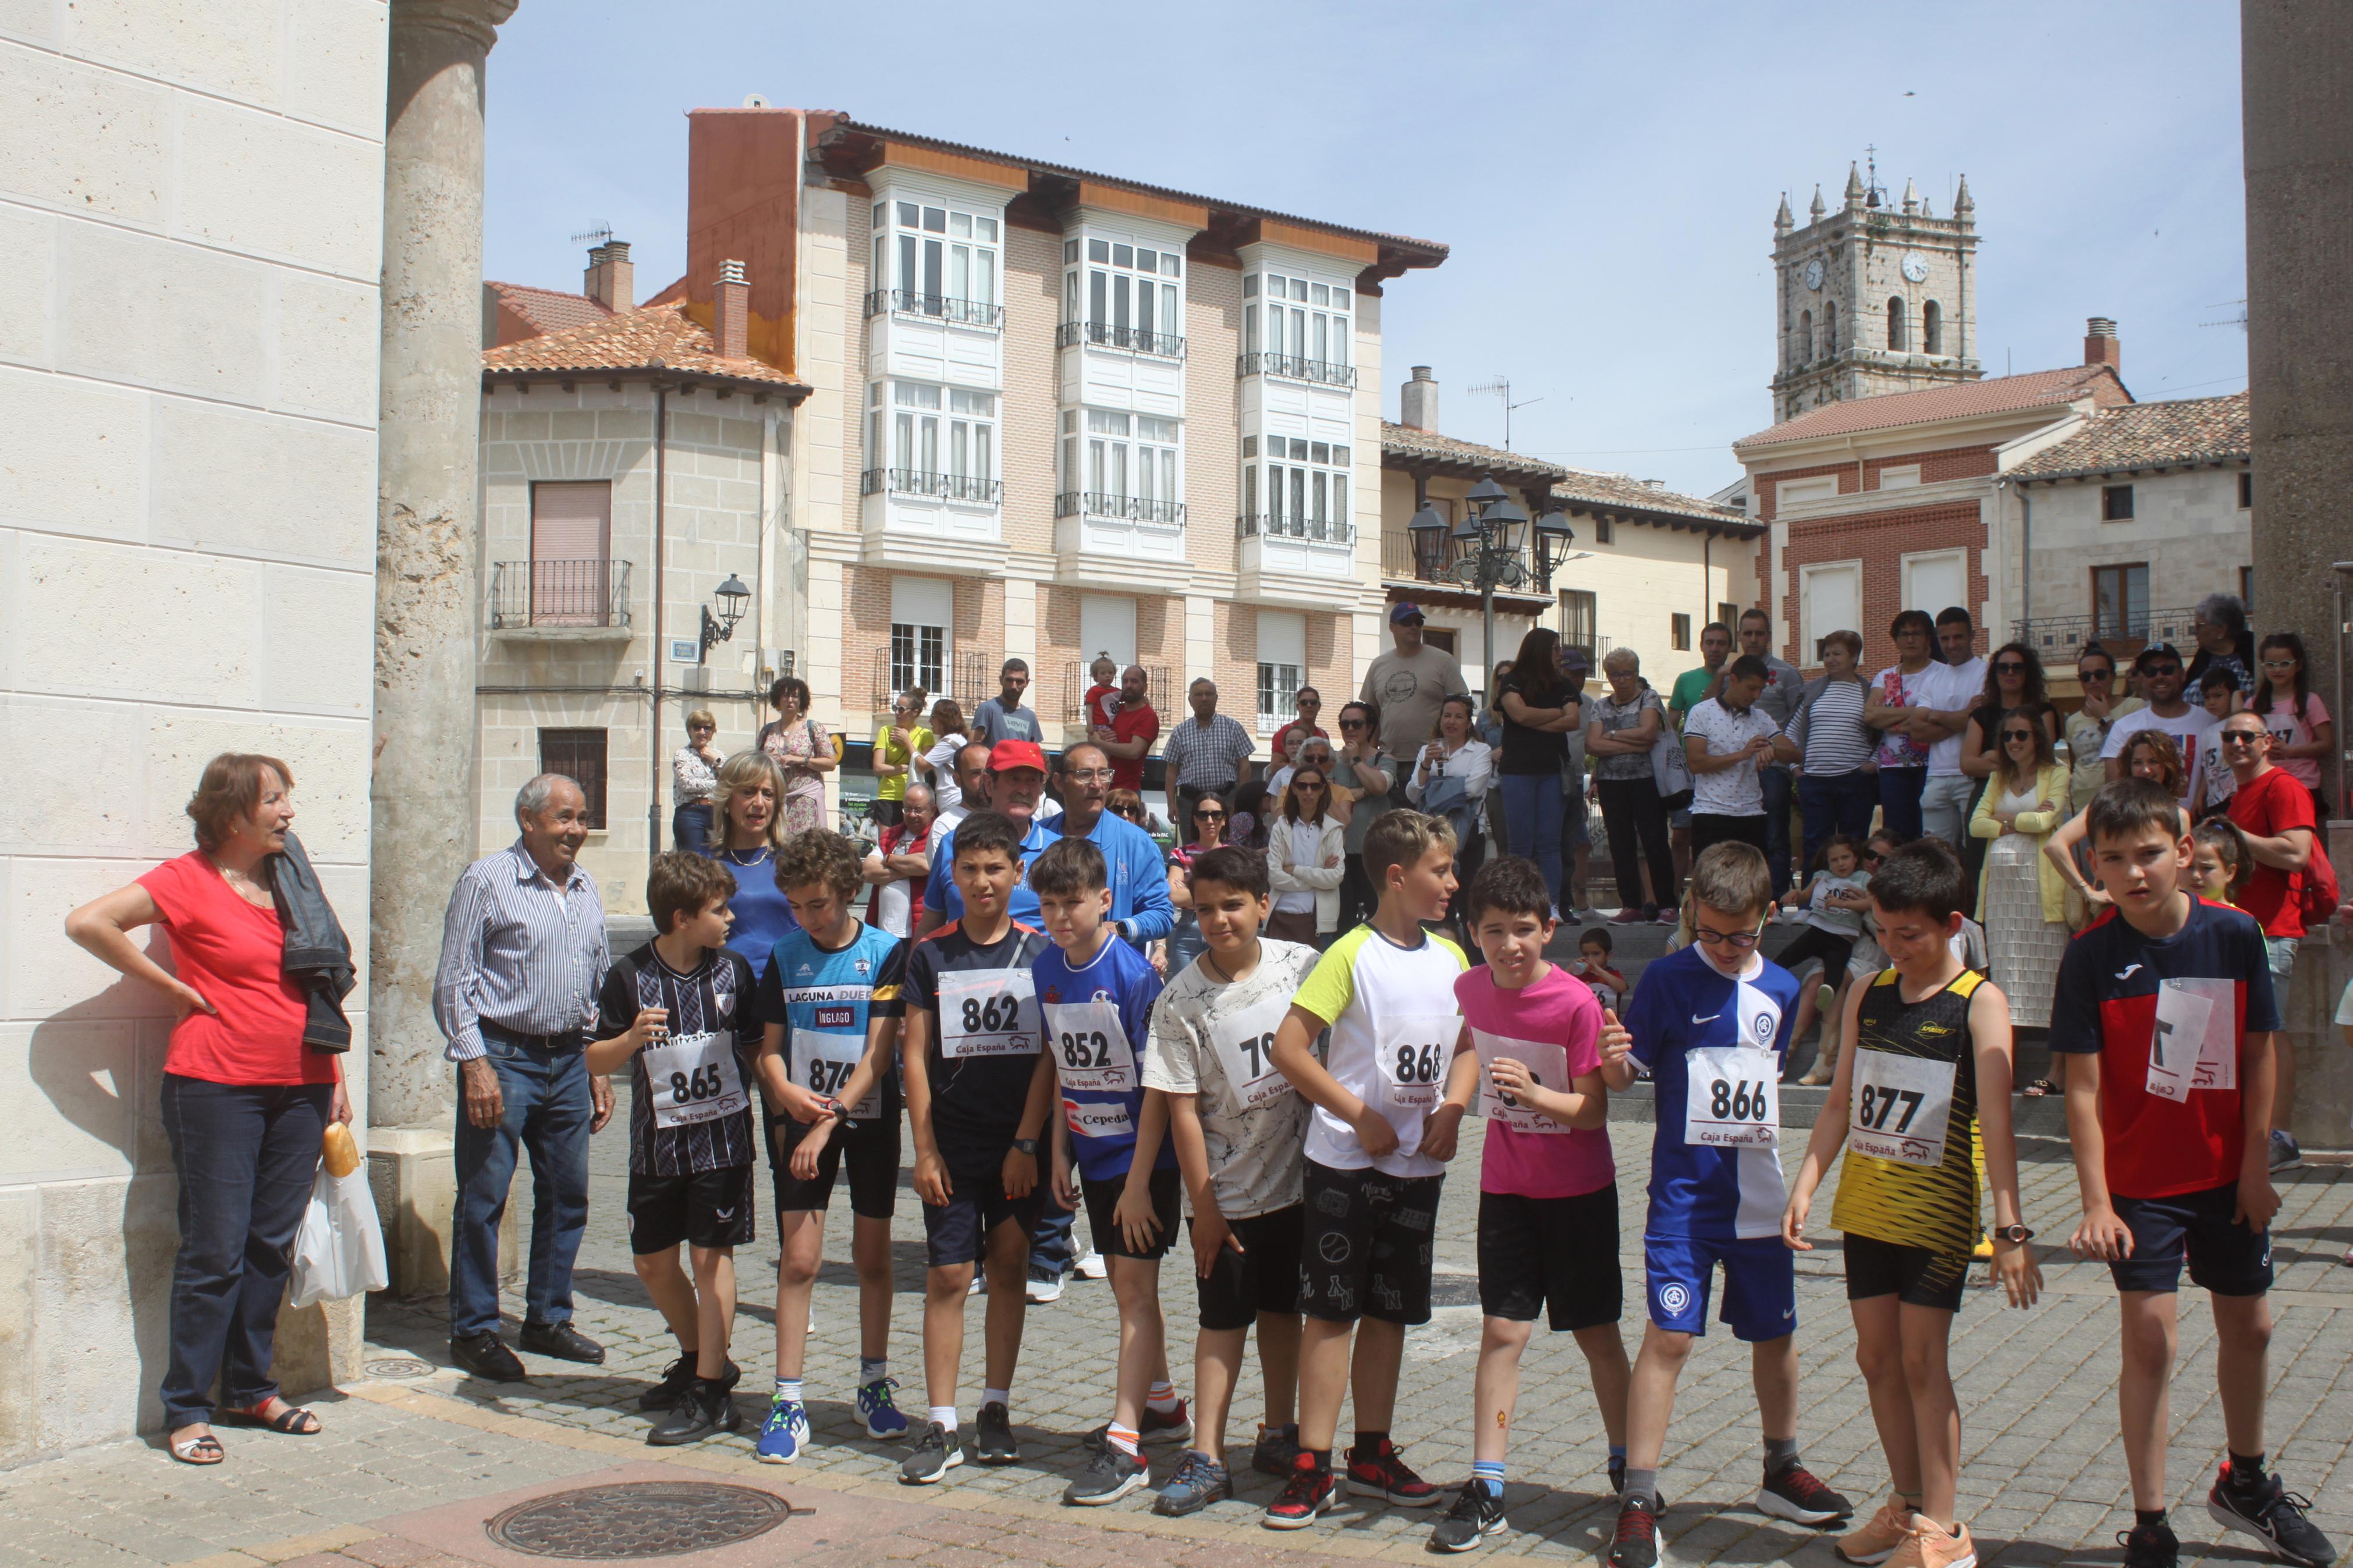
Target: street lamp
column 732, row 597
column 1495, row 538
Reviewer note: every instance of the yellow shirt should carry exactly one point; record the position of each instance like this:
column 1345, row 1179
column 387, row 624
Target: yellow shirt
column 893, row 786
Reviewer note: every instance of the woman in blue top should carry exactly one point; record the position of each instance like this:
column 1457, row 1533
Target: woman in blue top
column 746, row 830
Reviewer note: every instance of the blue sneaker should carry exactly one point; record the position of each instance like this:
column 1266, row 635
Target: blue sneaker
column 784, row 1434
column 883, row 1419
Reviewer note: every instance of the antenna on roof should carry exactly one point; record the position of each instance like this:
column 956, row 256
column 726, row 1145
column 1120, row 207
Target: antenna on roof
column 2239, row 320
column 601, row 234
column 1502, row 387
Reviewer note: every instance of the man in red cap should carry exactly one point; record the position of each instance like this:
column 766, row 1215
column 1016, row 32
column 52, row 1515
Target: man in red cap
column 1016, row 777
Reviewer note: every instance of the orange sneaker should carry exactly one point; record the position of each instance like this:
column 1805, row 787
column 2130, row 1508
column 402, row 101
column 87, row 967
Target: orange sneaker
column 1879, row 1537
column 1927, row 1545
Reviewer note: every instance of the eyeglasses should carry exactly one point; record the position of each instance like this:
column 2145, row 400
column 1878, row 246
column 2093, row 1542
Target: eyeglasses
column 1303, row 788
column 2095, row 675
column 2010, row 666
column 2279, row 663
column 2242, row 737
column 1352, row 723
column 2018, row 735
column 2162, row 672
column 1090, row 776
column 1738, row 941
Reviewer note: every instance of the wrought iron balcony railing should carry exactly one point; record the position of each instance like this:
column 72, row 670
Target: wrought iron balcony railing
column 1102, row 334
column 1132, row 509
column 1297, row 369
column 940, row 307
column 925, row 482
column 559, row 594
column 1315, row 531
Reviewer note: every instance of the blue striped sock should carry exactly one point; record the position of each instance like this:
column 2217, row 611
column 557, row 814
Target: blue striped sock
column 1488, row 1473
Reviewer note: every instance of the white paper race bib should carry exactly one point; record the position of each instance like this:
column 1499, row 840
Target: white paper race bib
column 824, row 1059
column 1098, row 1118
column 1414, row 1055
column 1902, row 1108
column 1245, row 1046
column 988, row 1013
column 2195, row 1042
column 1089, row 1046
column 1547, row 1064
column 694, row 1077
column 1732, row 1099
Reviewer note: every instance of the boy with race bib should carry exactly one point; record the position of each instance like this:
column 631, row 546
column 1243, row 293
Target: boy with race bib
column 679, row 1011
column 1095, row 995
column 828, row 1071
column 979, row 1090
column 1238, row 1127
column 1712, row 1022
column 1548, row 1182
column 2165, row 1011
column 1929, row 1068
column 1375, row 1153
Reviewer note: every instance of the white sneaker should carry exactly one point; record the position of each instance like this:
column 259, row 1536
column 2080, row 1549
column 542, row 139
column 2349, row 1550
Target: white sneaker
column 1090, row 1265
column 1044, row 1292
column 979, row 1286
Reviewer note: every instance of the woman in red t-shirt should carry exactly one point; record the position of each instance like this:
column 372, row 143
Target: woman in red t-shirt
column 245, row 1103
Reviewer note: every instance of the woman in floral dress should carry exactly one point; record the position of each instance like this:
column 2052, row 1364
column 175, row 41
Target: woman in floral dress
column 803, row 751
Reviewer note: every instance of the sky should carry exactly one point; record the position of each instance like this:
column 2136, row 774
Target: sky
column 1606, row 174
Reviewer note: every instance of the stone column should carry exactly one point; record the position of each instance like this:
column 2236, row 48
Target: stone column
column 428, row 598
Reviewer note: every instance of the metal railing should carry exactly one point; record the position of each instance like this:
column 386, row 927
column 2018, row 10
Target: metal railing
column 1103, row 335
column 924, row 482
column 559, row 594
column 2060, row 637
column 1296, row 368
column 1132, row 509
column 969, row 677
column 940, row 307
column 1158, row 693
column 1315, row 531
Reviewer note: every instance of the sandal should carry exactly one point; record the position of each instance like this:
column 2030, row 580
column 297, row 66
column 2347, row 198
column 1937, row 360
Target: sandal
column 2039, row 1088
column 201, row 1451
column 293, row 1421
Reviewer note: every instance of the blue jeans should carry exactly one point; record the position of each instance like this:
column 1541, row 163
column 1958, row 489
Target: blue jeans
column 1899, row 801
column 547, row 1111
column 247, row 1155
column 690, row 826
column 1052, row 1247
column 1775, row 781
column 1839, row 804
column 1532, row 814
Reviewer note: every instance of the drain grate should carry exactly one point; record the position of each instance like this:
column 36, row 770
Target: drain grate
column 398, row 1366
column 637, row 1518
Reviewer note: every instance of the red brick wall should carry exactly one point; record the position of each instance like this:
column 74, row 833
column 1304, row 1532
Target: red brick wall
column 1880, row 541
column 1949, row 463
column 866, row 636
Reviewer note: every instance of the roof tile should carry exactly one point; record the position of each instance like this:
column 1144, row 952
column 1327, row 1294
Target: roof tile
column 655, row 337
column 551, row 309
column 1999, row 395
column 2147, row 435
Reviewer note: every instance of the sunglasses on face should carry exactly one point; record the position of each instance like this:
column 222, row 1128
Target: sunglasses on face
column 2095, row 675
column 2018, row 735
column 2010, row 667
column 2162, row 672
column 1352, row 723
column 1209, row 816
column 2242, row 737
column 1303, row 788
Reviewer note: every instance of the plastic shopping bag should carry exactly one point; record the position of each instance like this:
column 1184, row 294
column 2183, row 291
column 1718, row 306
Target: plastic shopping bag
column 339, row 1251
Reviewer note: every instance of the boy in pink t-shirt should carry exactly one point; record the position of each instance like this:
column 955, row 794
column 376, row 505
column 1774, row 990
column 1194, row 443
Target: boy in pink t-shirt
column 1530, row 1057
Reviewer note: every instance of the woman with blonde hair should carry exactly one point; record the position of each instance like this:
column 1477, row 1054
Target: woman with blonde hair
column 2021, row 898
column 950, row 734
column 748, row 830
column 694, row 774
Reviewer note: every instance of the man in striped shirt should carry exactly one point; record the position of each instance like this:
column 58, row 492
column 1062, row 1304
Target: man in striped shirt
column 522, row 958
column 1835, row 792
column 1209, row 754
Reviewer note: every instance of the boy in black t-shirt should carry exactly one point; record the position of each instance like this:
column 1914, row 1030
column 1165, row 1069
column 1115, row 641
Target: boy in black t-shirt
column 979, row 1089
column 678, row 1011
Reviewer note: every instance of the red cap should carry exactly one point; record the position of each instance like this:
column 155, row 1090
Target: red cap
column 1008, row 754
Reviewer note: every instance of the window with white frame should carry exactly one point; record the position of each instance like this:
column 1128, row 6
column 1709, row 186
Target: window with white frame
column 938, row 441
column 1282, row 659
column 1305, row 486
column 1128, row 466
column 1123, row 295
column 938, row 261
column 1295, row 327
column 921, row 609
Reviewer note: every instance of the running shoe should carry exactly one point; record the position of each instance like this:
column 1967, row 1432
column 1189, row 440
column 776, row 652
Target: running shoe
column 1157, row 1427
column 1110, row 1476
column 1671, row 917
column 708, row 1407
column 1878, row 1538
column 1308, row 1492
column 676, row 1379
column 2150, row 1545
column 993, row 1441
column 1798, row 1494
column 1044, row 1289
column 784, row 1434
column 2273, row 1513
column 1386, row 1475
column 1276, row 1452
column 937, row 1452
column 1636, row 1543
column 1628, row 916
column 2285, row 1155
column 1927, row 1545
column 1090, row 1265
column 1476, row 1513
column 1199, row 1481
column 882, row 1415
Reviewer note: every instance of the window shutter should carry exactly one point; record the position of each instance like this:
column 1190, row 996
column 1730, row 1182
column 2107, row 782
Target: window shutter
column 571, row 545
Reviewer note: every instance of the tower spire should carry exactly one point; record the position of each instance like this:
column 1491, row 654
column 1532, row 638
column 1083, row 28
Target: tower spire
column 1853, row 184
column 1820, row 206
column 1782, row 222
column 1911, row 197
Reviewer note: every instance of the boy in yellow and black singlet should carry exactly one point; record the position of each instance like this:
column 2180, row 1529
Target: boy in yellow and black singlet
column 1926, row 1084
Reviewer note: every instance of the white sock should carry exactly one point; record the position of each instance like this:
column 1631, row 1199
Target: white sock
column 872, row 1370
column 997, row 1397
column 945, row 1415
column 1161, row 1398
column 790, row 1387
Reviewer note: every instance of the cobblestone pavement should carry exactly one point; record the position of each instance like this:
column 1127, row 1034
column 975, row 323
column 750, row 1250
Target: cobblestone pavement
column 410, row 1468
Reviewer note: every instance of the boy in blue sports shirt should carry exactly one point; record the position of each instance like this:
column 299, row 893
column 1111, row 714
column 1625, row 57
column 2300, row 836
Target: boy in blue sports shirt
column 1097, row 995
column 1711, row 1023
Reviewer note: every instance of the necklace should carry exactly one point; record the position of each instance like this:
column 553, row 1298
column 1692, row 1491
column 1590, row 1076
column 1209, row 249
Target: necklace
column 735, row 857
column 1217, row 970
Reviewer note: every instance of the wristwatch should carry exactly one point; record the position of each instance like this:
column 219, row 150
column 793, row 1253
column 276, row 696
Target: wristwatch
column 1026, row 1146
column 2016, row 1235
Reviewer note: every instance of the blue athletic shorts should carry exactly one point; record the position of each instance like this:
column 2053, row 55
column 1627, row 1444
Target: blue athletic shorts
column 1760, row 1285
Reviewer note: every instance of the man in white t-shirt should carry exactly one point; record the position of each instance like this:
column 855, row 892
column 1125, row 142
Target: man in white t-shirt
column 2159, row 668
column 1725, row 738
column 1954, row 690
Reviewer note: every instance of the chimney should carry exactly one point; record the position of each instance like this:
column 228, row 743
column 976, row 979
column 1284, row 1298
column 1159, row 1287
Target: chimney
column 731, row 313
column 2101, row 345
column 610, row 281
column 1417, row 401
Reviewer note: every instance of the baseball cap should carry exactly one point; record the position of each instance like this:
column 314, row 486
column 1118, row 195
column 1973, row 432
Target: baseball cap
column 2157, row 650
column 1405, row 612
column 1007, row 755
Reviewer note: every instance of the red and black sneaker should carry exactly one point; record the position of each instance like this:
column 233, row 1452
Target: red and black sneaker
column 1307, row 1493
column 1795, row 1493
column 1385, row 1475
column 1636, row 1545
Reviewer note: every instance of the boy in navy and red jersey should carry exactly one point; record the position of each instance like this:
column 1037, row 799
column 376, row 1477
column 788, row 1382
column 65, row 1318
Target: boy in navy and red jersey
column 2165, row 1006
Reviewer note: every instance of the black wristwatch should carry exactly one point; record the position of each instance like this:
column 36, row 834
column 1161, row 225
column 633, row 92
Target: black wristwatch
column 1026, row 1146
column 2016, row 1235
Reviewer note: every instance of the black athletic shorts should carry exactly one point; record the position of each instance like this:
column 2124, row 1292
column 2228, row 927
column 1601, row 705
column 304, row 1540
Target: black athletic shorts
column 1263, row 1277
column 872, row 1150
column 958, row 1230
column 1365, row 1248
column 1559, row 1254
column 705, row 1209
column 1103, row 1197
column 2227, row 1256
column 1914, row 1275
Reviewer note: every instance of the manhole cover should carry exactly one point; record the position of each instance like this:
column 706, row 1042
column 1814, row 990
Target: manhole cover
column 637, row 1518
column 399, row 1366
